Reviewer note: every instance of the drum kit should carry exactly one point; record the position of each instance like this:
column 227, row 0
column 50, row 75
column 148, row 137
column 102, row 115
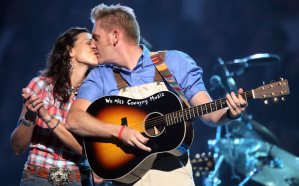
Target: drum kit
column 248, row 147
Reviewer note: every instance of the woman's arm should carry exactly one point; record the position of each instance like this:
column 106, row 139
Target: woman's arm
column 65, row 136
column 21, row 136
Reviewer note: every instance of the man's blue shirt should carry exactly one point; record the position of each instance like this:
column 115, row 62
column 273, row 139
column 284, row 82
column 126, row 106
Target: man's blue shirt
column 101, row 82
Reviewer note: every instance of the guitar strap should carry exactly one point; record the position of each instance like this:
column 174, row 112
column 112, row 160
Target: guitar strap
column 161, row 69
column 161, row 72
column 158, row 59
column 122, row 83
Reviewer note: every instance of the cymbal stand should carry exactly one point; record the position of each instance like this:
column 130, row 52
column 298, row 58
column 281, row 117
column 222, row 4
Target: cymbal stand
column 251, row 174
column 213, row 178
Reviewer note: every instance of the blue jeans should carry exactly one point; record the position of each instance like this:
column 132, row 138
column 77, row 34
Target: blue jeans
column 32, row 180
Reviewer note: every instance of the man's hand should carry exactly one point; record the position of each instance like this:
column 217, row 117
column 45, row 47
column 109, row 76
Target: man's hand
column 132, row 137
column 236, row 104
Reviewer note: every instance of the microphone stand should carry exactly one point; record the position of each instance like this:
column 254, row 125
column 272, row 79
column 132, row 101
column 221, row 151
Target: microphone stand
column 232, row 88
column 253, row 60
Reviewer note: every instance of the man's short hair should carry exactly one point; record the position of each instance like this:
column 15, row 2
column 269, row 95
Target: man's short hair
column 117, row 16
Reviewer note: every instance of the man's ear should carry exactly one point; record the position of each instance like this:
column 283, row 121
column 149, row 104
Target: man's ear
column 69, row 48
column 115, row 37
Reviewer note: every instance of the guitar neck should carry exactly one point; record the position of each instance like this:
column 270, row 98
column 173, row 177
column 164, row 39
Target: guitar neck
column 191, row 113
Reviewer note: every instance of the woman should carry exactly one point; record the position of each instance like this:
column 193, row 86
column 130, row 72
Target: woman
column 55, row 156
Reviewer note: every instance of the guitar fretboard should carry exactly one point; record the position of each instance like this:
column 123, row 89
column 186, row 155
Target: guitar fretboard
column 191, row 113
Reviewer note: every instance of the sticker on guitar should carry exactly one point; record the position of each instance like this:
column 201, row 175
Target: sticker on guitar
column 130, row 102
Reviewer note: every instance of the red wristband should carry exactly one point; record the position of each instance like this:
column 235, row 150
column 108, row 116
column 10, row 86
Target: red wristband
column 120, row 132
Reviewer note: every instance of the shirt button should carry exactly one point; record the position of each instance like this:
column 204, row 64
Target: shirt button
column 134, row 74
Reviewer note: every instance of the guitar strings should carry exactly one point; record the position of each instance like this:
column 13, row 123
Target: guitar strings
column 186, row 112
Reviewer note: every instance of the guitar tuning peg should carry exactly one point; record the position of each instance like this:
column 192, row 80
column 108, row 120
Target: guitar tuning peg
column 197, row 156
column 263, row 82
column 203, row 155
column 283, row 98
column 272, row 81
column 209, row 154
column 197, row 174
column 281, row 79
column 266, row 101
column 275, row 99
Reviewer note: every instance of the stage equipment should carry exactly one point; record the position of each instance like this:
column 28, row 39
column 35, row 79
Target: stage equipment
column 262, row 162
column 146, row 43
column 256, row 60
column 246, row 145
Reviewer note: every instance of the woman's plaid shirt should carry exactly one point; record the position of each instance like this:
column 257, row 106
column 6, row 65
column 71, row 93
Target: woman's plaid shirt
column 46, row 150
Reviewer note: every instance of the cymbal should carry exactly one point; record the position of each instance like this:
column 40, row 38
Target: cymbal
column 240, row 129
column 265, row 133
column 277, row 166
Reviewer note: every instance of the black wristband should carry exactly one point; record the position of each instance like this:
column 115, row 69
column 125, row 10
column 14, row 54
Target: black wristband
column 231, row 118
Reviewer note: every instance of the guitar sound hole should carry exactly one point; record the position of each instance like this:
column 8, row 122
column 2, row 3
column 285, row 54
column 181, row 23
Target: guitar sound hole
column 154, row 124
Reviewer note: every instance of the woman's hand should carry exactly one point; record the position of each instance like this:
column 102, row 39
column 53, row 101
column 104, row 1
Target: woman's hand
column 32, row 103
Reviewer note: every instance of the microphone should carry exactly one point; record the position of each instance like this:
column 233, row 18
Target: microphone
column 216, row 83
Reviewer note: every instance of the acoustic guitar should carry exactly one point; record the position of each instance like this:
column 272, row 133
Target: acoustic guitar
column 159, row 117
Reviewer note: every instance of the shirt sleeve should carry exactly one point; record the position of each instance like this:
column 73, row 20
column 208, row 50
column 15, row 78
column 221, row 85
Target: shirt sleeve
column 36, row 85
column 187, row 74
column 92, row 87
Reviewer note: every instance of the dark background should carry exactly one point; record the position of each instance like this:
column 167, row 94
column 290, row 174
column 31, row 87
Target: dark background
column 204, row 29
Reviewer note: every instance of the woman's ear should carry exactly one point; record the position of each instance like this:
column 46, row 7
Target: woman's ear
column 71, row 52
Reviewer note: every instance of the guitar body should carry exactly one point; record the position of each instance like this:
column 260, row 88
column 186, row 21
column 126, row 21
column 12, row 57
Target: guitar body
column 111, row 160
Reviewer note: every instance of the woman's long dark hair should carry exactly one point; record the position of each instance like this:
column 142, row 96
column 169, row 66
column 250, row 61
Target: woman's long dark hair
column 59, row 66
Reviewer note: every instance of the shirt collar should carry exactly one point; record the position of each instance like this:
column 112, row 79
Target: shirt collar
column 141, row 62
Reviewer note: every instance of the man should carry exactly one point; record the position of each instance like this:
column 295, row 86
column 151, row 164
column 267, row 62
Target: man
column 116, row 44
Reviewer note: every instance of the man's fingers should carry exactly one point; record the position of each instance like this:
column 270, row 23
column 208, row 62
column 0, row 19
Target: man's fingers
column 235, row 99
column 142, row 139
column 230, row 103
column 133, row 138
column 243, row 102
column 240, row 91
column 142, row 146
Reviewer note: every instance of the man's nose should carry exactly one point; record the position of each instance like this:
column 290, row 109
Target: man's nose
column 92, row 44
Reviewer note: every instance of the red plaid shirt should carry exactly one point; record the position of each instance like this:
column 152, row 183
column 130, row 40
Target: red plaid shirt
column 46, row 150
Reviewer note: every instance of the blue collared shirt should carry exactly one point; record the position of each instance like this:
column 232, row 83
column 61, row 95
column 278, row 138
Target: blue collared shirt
column 101, row 82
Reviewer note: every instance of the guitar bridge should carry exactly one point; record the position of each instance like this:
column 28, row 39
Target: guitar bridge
column 124, row 121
